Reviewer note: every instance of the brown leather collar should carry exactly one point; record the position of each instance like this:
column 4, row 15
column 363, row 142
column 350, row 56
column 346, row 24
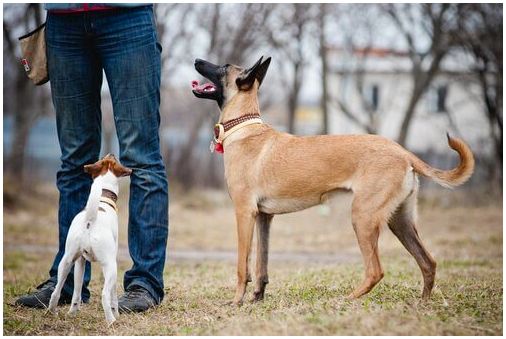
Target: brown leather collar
column 109, row 194
column 229, row 124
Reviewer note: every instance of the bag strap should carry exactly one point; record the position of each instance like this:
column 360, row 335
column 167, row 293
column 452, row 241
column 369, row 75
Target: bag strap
column 32, row 32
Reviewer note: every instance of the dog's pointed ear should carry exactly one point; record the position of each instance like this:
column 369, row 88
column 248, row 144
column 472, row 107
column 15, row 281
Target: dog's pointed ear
column 262, row 70
column 120, row 170
column 256, row 72
column 247, row 79
column 94, row 169
column 98, row 168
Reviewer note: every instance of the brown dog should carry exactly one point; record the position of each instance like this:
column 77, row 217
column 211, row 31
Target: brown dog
column 268, row 172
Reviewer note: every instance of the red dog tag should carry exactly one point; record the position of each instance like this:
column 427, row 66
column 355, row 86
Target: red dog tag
column 25, row 65
column 218, row 148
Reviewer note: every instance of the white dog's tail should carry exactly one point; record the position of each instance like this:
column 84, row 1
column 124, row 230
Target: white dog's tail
column 91, row 209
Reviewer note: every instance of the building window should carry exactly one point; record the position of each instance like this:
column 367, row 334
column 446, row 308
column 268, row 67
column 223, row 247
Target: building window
column 437, row 98
column 372, row 97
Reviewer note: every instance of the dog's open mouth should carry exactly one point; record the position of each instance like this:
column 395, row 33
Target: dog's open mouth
column 208, row 87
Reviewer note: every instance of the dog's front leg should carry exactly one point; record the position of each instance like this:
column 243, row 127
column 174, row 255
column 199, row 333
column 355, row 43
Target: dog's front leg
column 245, row 225
column 261, row 277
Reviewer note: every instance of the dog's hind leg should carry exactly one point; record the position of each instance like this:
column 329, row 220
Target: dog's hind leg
column 110, row 275
column 367, row 232
column 403, row 225
column 245, row 226
column 263, row 225
column 63, row 271
column 114, row 299
column 78, row 285
column 374, row 202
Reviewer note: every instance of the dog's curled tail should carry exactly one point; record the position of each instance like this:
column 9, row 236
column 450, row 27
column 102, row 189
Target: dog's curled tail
column 91, row 208
column 453, row 177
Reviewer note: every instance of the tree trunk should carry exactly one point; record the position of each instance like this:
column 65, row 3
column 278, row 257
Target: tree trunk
column 493, row 105
column 421, row 81
column 16, row 162
column 293, row 97
column 408, row 116
column 29, row 101
column 324, row 70
column 183, row 165
column 23, row 121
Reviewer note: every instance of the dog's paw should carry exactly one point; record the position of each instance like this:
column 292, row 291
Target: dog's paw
column 351, row 297
column 232, row 303
column 53, row 302
column 237, row 303
column 51, row 309
column 73, row 309
column 115, row 311
column 110, row 321
column 257, row 296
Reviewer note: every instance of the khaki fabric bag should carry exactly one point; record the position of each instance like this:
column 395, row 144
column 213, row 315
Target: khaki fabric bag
column 34, row 60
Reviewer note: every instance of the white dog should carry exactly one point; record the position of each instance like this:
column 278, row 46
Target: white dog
column 93, row 236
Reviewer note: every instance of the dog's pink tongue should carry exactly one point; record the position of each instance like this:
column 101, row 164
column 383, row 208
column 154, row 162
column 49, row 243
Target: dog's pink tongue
column 208, row 86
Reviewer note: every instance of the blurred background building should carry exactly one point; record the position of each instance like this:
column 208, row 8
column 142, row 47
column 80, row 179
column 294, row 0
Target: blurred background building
column 410, row 72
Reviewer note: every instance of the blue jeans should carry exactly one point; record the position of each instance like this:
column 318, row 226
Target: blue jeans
column 123, row 44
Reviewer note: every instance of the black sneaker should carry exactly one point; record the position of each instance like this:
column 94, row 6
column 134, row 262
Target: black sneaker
column 40, row 298
column 135, row 299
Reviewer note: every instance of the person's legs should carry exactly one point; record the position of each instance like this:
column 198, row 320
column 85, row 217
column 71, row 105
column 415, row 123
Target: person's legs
column 130, row 54
column 76, row 79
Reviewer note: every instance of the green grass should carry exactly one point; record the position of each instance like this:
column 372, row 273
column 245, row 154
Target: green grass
column 301, row 299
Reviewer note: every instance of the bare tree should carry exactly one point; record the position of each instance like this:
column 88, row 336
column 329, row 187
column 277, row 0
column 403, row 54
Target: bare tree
column 28, row 103
column 365, row 115
column 174, row 33
column 480, row 31
column 437, row 22
column 294, row 21
column 359, row 32
column 323, row 46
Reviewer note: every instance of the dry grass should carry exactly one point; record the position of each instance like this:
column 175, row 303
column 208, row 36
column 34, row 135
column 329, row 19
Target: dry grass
column 304, row 297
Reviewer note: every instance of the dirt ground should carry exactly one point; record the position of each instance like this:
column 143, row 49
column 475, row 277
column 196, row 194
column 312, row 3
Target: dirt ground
column 315, row 263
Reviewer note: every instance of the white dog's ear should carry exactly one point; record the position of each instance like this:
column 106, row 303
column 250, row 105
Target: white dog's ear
column 257, row 72
column 94, row 169
column 120, row 170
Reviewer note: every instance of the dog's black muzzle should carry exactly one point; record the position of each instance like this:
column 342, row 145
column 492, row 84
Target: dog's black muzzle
column 213, row 73
column 210, row 71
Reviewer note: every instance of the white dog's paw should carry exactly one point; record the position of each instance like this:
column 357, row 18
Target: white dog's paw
column 73, row 309
column 110, row 320
column 52, row 306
